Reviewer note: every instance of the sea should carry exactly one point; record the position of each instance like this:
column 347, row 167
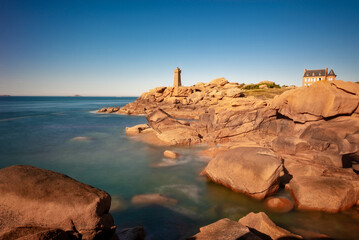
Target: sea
column 66, row 135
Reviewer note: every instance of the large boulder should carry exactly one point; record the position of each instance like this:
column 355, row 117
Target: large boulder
column 224, row 229
column 161, row 121
column 323, row 99
column 340, row 135
column 40, row 198
column 35, row 233
column 181, row 91
column 254, row 171
column 172, row 131
column 328, row 194
column 219, row 81
column 234, row 92
column 196, row 97
column 265, row 227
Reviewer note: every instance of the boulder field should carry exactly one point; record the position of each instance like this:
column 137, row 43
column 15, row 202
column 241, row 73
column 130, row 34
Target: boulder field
column 305, row 140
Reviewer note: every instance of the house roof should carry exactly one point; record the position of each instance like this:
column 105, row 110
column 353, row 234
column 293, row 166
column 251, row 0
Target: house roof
column 331, row 73
column 314, row 73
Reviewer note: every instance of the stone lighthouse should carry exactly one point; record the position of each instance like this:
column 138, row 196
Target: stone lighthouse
column 177, row 81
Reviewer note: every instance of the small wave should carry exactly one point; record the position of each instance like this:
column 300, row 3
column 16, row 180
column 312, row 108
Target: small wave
column 167, row 162
column 96, row 112
column 81, row 139
column 16, row 118
column 191, row 191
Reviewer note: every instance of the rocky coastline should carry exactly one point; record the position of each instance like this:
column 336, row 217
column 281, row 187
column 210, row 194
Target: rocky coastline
column 304, row 140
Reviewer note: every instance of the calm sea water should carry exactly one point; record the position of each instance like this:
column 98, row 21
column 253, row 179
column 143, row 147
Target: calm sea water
column 39, row 131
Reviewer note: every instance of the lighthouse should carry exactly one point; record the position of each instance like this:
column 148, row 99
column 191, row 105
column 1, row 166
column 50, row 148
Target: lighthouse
column 177, row 81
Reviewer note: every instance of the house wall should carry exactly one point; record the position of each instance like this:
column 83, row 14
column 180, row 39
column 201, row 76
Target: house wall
column 307, row 81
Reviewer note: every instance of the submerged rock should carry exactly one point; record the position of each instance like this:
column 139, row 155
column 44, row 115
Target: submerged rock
column 81, row 139
column 254, row 171
column 279, row 204
column 153, row 198
column 263, row 226
column 40, row 198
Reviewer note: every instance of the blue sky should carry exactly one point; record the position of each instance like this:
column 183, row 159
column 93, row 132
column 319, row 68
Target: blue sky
column 123, row 48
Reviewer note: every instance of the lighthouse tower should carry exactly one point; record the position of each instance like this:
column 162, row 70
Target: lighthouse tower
column 177, row 81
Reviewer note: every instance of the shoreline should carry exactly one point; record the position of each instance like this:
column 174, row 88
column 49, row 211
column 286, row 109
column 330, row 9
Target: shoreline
column 253, row 141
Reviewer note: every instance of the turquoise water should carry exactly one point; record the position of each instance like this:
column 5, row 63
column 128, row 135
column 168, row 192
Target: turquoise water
column 39, row 131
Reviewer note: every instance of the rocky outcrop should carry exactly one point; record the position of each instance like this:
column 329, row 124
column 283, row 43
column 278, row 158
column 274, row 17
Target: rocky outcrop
column 49, row 203
column 256, row 226
column 324, row 99
column 262, row 224
column 182, row 102
column 328, row 194
column 313, row 131
column 225, row 229
column 172, row 131
column 254, row 171
column 135, row 130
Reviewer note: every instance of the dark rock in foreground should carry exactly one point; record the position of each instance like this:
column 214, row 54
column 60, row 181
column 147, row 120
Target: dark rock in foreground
column 135, row 233
column 35, row 203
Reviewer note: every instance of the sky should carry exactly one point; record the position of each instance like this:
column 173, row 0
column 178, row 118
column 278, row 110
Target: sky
column 124, row 48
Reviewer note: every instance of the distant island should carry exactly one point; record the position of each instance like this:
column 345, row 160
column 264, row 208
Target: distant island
column 5, row 95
